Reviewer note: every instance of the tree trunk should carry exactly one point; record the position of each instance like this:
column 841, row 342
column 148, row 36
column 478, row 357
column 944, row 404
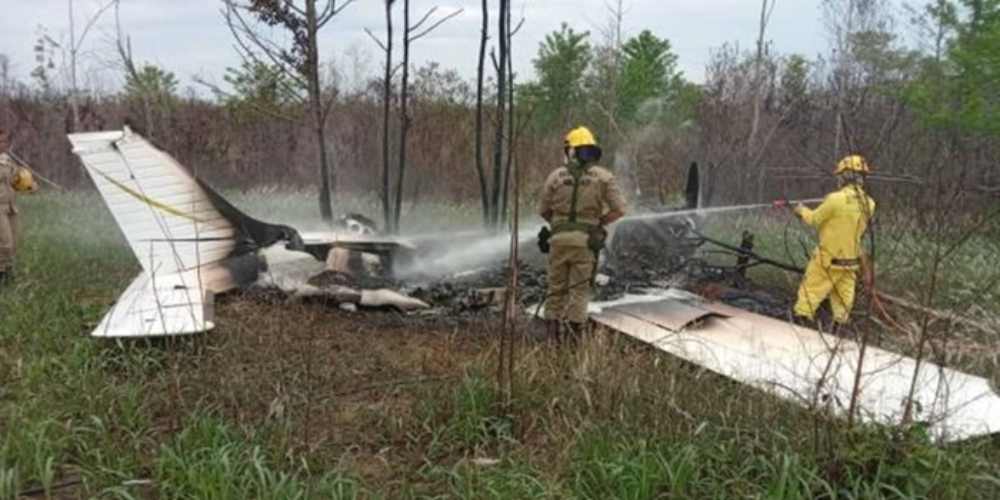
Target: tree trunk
column 404, row 126
column 480, row 74
column 386, row 102
column 316, row 101
column 501, row 109
column 757, row 97
column 510, row 119
column 758, row 92
column 74, row 103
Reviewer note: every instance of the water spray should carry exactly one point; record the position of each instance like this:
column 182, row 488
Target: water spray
column 492, row 247
column 715, row 210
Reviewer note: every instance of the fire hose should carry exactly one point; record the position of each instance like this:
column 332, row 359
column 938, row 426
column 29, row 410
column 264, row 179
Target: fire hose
column 877, row 296
column 24, row 164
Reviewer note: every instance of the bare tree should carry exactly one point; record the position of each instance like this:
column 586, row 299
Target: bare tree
column 766, row 9
column 500, row 65
column 299, row 61
column 123, row 45
column 512, row 126
column 610, row 62
column 480, row 75
column 388, row 71
column 410, row 35
column 392, row 208
column 75, row 44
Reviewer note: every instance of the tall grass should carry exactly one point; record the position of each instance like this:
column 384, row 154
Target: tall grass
column 208, row 460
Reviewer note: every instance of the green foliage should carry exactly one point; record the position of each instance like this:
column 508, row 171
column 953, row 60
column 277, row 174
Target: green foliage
column 963, row 90
column 649, row 77
column 882, row 63
column 259, row 87
column 607, row 466
column 557, row 96
column 208, row 460
column 474, row 421
column 151, row 82
column 500, row 481
column 978, row 78
column 795, row 80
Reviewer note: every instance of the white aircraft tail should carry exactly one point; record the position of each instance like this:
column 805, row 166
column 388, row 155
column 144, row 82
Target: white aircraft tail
column 190, row 242
column 166, row 216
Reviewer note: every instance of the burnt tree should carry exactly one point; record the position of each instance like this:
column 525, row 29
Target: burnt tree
column 299, row 61
column 480, row 75
column 411, row 33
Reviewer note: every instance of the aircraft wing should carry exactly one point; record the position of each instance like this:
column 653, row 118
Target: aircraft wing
column 172, row 305
column 319, row 244
column 814, row 369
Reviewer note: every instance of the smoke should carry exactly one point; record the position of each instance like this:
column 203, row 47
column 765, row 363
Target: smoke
column 448, row 254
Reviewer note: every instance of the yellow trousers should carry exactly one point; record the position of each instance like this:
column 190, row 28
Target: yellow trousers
column 8, row 238
column 820, row 282
column 569, row 274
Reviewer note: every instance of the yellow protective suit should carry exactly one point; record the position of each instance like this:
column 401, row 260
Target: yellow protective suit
column 841, row 221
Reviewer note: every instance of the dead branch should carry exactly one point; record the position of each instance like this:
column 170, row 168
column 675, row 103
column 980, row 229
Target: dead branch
column 331, row 11
column 243, row 33
column 434, row 26
column 375, row 39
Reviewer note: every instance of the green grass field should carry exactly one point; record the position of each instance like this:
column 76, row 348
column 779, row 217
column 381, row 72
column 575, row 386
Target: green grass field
column 304, row 401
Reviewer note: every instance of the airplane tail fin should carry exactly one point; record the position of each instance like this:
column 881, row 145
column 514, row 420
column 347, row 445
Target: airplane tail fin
column 165, row 215
column 187, row 238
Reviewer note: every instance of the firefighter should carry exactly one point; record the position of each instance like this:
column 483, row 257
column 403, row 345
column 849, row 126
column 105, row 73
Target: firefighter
column 13, row 178
column 841, row 220
column 578, row 201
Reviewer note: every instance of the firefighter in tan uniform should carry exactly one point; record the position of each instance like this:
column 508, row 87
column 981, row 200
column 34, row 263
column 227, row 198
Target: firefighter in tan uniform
column 578, row 200
column 13, row 179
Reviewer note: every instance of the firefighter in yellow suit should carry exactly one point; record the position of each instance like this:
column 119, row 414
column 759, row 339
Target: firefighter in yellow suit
column 841, row 220
column 13, row 178
column 578, row 200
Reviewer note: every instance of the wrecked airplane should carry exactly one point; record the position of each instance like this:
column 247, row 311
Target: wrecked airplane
column 193, row 244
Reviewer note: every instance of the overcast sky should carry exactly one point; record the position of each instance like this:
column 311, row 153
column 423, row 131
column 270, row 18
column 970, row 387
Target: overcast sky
column 189, row 38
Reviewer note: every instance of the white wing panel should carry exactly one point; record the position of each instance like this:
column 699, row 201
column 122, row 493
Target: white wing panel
column 816, row 369
column 167, row 218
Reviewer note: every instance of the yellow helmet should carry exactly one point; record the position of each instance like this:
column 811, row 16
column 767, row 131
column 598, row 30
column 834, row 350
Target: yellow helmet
column 23, row 180
column 580, row 136
column 852, row 163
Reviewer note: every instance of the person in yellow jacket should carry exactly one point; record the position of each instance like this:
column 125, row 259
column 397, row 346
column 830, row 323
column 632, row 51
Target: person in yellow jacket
column 841, row 220
column 13, row 179
column 578, row 200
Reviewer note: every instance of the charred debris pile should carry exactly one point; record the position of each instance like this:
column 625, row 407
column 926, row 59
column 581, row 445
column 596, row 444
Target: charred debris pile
column 642, row 256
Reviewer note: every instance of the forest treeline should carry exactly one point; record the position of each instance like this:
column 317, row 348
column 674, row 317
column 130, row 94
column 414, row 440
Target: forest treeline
column 914, row 90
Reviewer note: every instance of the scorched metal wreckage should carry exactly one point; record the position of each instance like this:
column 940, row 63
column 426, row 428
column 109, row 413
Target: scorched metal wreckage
column 192, row 245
